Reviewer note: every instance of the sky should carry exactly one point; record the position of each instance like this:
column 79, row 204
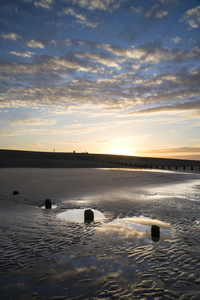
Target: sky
column 101, row 76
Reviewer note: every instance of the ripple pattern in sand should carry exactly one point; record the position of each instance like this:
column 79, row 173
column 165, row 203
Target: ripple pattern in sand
column 43, row 257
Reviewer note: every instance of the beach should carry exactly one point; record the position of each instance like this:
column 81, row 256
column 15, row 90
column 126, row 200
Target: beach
column 44, row 256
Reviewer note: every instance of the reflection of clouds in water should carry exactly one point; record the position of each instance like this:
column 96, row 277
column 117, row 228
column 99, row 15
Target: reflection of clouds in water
column 73, row 272
column 114, row 274
column 17, row 285
column 147, row 222
column 122, row 230
column 137, row 227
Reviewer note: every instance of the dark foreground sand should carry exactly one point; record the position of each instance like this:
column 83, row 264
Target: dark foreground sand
column 45, row 257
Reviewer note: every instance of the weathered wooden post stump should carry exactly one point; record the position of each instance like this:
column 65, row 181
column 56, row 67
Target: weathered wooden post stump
column 47, row 203
column 155, row 233
column 15, row 193
column 88, row 215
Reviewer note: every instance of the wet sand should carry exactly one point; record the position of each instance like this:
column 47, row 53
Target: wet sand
column 45, row 257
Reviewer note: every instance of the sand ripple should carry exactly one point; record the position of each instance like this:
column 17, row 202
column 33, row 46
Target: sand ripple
column 43, row 257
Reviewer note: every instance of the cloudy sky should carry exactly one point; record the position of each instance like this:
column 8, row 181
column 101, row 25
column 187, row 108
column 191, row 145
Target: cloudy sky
column 103, row 76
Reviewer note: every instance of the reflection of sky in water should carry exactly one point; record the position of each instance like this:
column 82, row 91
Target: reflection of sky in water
column 52, row 206
column 136, row 170
column 134, row 228
column 77, row 215
column 126, row 228
column 85, row 265
column 186, row 190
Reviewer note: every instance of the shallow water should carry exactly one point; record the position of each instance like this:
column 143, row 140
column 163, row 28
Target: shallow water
column 53, row 206
column 136, row 229
column 77, row 215
column 185, row 190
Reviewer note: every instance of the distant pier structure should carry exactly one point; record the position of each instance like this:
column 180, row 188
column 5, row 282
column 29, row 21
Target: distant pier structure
column 146, row 162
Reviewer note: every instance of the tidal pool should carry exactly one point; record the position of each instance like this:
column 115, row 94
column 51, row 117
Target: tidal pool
column 138, row 228
column 77, row 215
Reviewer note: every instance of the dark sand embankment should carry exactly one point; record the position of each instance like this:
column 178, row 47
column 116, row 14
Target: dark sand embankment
column 31, row 159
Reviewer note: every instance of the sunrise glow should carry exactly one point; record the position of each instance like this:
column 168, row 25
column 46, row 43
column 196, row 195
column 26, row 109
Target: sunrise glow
column 121, row 151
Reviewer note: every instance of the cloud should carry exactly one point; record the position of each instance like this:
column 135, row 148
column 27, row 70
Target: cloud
column 104, row 75
column 175, row 150
column 137, row 10
column 22, row 54
column 120, row 91
column 187, row 106
column 146, row 54
column 167, row 2
column 156, row 13
column 70, row 63
column 192, row 17
column 142, row 54
column 151, row 55
column 43, row 3
column 128, row 33
column 101, row 58
column 108, row 5
column 31, row 122
column 70, row 130
column 18, row 68
column 79, row 17
column 35, row 44
column 177, row 40
column 11, row 36
column 85, row 142
column 37, row 144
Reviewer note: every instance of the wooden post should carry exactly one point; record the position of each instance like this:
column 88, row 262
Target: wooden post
column 88, row 215
column 15, row 193
column 155, row 233
column 47, row 203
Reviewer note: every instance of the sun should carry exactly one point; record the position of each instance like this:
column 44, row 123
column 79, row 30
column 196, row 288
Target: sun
column 121, row 151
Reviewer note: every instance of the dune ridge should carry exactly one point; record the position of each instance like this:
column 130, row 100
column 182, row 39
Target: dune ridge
column 33, row 159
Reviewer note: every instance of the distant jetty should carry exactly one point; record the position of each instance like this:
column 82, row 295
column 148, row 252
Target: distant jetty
column 34, row 159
